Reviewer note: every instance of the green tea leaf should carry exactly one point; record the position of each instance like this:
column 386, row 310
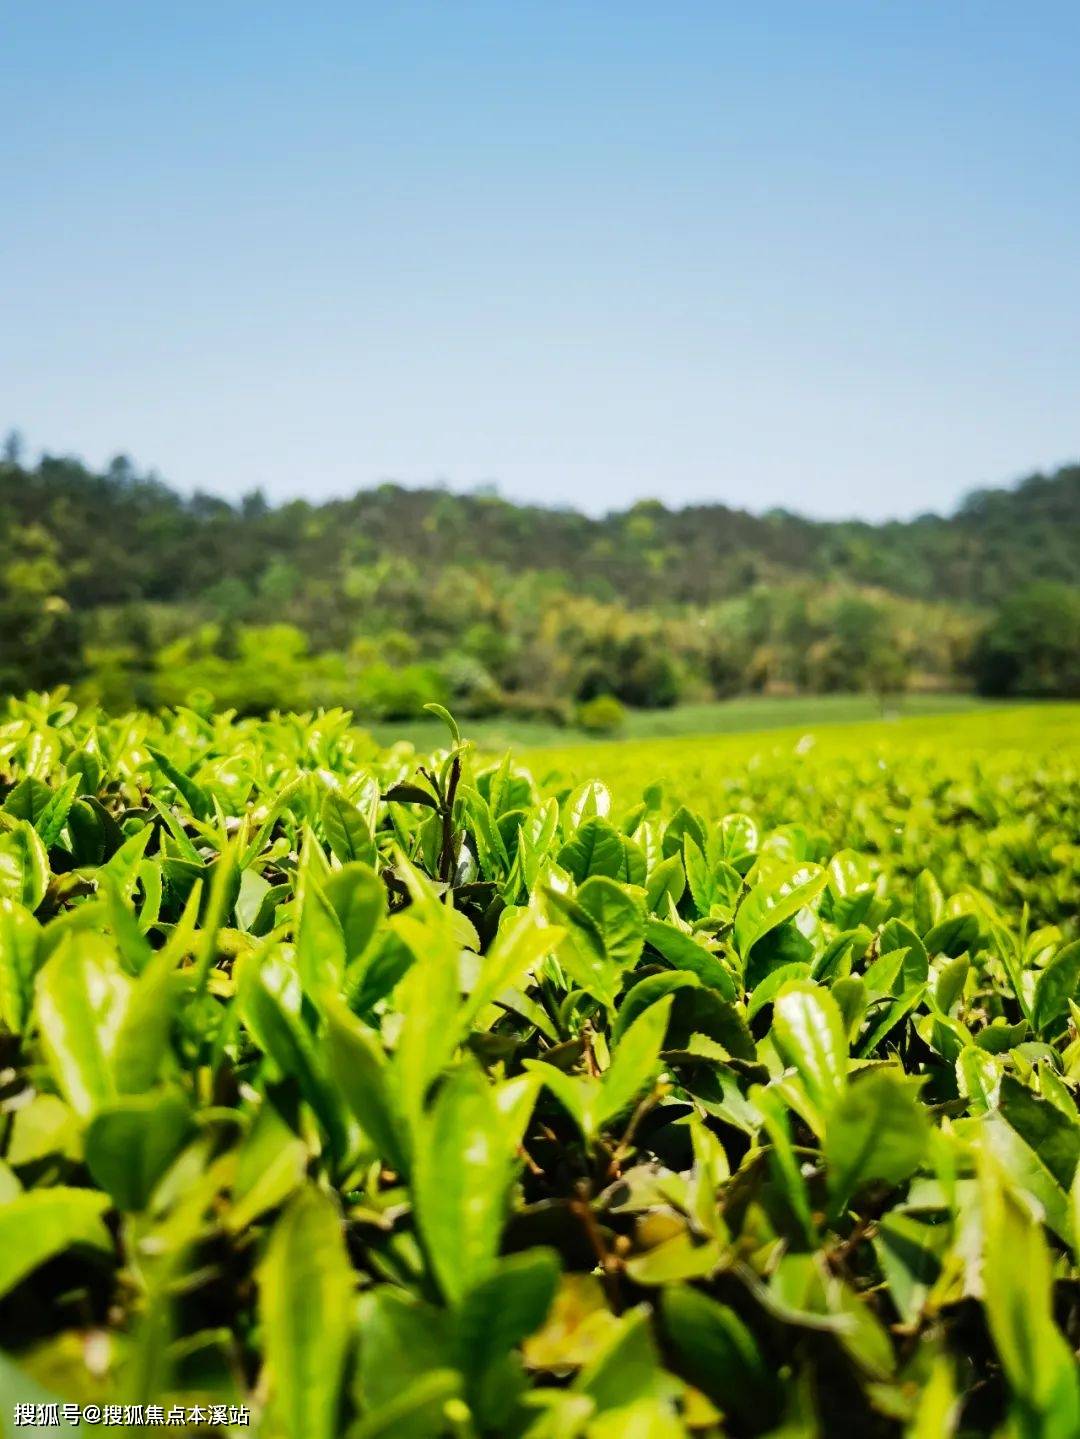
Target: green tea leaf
column 460, row 1177
column 1018, row 1299
column 270, row 1009
column 140, row 1044
column 305, row 1298
column 358, row 898
column 715, row 1352
column 808, row 1030
column 20, row 949
column 320, row 945
column 198, row 801
column 877, row 1131
column 929, row 902
column 131, row 1142
column 80, row 996
column 618, row 916
column 270, row 1166
column 517, row 949
column 417, row 1412
column 24, row 866
column 646, row 993
column 441, row 712
column 776, row 897
column 51, row 820
column 684, row 952
column 1056, row 985
column 627, row 1367
column 666, row 881
column 1053, row 1136
column 504, row 1308
column 636, row 1061
column 404, row 1340
column 360, row 1070
column 346, row 830
column 594, row 849
column 41, row 1223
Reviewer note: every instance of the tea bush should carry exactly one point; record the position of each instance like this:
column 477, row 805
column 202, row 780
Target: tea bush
column 602, row 715
column 413, row 1099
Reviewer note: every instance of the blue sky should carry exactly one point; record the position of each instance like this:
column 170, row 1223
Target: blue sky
column 816, row 255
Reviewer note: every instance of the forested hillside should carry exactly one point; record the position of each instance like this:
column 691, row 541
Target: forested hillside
column 396, row 596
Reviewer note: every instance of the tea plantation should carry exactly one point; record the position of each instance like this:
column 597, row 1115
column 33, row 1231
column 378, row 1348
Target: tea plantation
column 708, row 1087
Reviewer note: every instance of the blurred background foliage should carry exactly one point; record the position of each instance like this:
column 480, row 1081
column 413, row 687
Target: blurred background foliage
column 396, row 598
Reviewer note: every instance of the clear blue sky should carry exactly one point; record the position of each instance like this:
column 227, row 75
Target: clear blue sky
column 817, row 255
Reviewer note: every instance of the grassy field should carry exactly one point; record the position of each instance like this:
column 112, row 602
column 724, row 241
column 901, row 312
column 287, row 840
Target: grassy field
column 735, row 716
column 698, row 773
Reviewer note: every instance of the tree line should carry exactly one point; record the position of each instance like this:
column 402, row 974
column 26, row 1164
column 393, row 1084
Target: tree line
column 117, row 583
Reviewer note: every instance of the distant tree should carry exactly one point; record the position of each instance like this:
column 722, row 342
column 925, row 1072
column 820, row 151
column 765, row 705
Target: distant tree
column 1032, row 645
column 121, row 469
column 40, row 639
column 254, row 506
column 653, row 605
column 886, row 675
column 858, row 648
column 229, row 598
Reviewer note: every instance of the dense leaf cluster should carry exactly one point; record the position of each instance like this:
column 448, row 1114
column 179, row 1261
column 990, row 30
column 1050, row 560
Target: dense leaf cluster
column 395, row 597
column 410, row 1099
